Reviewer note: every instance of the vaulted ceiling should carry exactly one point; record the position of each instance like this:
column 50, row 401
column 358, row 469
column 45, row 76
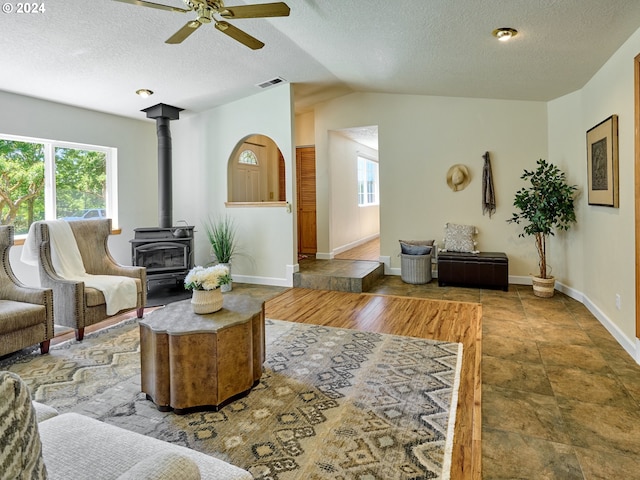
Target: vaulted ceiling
column 96, row 54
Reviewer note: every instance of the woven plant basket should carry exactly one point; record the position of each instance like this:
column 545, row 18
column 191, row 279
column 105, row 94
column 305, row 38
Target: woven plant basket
column 206, row 301
column 543, row 287
column 415, row 269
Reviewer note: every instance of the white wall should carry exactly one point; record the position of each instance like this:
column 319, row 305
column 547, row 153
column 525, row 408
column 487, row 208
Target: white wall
column 419, row 138
column 202, row 145
column 350, row 223
column 304, row 131
column 137, row 159
column 604, row 265
column 567, row 149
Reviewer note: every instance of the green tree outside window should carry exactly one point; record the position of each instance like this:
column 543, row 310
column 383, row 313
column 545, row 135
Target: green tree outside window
column 79, row 176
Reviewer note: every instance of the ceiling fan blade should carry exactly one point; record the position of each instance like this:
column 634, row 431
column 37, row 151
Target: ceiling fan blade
column 279, row 9
column 184, row 32
column 142, row 3
column 237, row 34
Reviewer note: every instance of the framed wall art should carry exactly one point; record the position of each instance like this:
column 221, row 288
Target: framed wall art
column 602, row 163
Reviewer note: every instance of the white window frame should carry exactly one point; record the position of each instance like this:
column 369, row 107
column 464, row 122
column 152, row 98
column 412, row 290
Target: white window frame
column 360, row 157
column 111, row 161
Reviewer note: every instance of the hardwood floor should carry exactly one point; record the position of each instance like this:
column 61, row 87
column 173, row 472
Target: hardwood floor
column 445, row 320
column 433, row 319
column 560, row 396
column 367, row 251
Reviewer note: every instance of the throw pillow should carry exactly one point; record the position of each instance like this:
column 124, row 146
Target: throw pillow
column 411, row 249
column 20, row 447
column 428, row 243
column 459, row 238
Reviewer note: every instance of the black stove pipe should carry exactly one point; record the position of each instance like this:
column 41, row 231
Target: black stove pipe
column 163, row 114
column 165, row 190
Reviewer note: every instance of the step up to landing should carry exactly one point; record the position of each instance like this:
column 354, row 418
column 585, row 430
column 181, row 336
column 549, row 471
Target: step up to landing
column 340, row 275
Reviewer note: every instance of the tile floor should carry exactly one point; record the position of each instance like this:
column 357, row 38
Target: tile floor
column 560, row 398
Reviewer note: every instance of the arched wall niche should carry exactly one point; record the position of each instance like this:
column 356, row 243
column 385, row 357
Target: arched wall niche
column 256, row 173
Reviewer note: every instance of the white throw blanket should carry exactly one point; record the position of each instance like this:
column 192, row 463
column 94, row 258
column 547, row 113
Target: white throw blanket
column 119, row 292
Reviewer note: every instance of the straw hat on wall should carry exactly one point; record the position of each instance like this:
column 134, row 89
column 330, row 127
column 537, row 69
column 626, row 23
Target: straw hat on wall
column 458, row 177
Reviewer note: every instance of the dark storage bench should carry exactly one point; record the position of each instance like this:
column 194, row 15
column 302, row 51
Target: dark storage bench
column 484, row 269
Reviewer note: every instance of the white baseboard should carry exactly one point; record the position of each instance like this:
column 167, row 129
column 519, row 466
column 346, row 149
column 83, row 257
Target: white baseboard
column 631, row 346
column 520, row 280
column 386, row 260
column 274, row 282
column 570, row 292
column 351, row 245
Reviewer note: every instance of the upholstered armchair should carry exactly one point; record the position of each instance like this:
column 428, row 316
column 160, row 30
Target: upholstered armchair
column 75, row 304
column 26, row 313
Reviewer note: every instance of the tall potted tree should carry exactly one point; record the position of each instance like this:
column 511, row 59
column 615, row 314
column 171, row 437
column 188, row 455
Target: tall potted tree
column 221, row 233
column 544, row 206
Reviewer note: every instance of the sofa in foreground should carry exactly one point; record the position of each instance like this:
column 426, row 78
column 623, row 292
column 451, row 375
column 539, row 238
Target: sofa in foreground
column 37, row 443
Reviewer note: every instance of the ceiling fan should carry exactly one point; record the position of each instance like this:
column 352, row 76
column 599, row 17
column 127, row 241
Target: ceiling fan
column 207, row 9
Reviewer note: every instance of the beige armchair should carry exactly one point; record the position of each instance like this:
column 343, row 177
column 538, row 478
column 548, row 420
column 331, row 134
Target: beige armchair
column 75, row 304
column 26, row 313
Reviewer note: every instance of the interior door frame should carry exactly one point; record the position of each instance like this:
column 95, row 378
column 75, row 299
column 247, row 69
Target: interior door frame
column 637, row 186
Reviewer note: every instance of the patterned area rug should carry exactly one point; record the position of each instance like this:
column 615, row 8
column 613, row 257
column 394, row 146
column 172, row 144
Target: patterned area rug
column 331, row 404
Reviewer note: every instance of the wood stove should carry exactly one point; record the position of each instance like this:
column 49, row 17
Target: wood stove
column 167, row 253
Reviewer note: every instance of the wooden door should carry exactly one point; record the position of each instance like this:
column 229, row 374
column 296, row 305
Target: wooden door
column 246, row 184
column 248, row 181
column 306, row 197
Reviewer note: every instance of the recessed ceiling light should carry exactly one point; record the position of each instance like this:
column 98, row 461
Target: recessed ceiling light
column 504, row 34
column 144, row 92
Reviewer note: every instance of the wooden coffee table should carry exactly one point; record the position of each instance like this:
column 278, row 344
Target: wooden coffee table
column 195, row 362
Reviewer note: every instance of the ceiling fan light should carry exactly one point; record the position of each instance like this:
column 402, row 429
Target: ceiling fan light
column 504, row 34
column 144, row 92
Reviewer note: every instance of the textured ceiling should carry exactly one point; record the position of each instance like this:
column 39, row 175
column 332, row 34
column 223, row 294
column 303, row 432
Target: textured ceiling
column 367, row 136
column 95, row 54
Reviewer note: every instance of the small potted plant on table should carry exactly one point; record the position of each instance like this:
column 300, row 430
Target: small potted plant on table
column 222, row 239
column 206, row 283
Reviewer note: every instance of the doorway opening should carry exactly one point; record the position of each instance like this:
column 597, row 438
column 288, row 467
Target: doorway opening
column 256, row 172
column 355, row 193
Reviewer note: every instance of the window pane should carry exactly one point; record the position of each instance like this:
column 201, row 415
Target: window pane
column 81, row 183
column 21, row 184
column 367, row 182
column 43, row 179
column 247, row 157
